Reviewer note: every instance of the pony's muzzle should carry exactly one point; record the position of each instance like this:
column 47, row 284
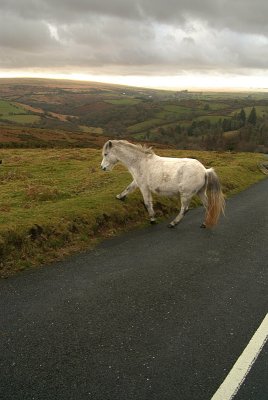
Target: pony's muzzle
column 105, row 167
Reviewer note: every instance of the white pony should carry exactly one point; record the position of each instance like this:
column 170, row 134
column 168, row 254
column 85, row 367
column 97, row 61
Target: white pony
column 166, row 176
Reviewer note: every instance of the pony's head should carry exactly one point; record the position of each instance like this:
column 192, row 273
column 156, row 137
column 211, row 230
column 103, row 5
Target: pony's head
column 109, row 159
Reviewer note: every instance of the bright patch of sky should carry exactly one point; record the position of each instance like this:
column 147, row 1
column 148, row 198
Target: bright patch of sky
column 172, row 44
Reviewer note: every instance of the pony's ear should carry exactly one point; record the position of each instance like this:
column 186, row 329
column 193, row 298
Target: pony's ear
column 110, row 144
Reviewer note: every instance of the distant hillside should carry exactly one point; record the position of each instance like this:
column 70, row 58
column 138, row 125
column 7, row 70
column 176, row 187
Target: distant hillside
column 41, row 112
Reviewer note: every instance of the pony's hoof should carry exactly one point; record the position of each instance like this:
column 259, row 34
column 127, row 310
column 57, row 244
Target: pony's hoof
column 203, row 226
column 152, row 221
column 171, row 225
column 123, row 198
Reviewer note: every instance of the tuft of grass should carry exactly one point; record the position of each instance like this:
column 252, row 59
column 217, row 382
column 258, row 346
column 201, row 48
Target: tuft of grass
column 57, row 201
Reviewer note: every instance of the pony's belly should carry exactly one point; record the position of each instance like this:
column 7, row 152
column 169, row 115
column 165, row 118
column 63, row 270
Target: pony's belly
column 166, row 191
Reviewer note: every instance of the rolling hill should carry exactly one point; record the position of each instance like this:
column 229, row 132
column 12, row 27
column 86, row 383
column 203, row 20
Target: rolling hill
column 49, row 113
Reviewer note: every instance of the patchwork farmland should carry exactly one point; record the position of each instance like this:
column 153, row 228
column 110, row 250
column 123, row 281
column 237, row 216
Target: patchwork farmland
column 85, row 114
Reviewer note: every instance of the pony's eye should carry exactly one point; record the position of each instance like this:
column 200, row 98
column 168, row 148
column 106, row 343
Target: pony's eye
column 105, row 154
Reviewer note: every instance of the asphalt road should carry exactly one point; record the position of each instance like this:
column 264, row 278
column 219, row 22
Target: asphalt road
column 157, row 314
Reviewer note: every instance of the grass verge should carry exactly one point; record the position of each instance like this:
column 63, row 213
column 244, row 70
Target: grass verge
column 55, row 202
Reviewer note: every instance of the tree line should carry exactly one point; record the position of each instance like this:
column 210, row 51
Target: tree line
column 236, row 133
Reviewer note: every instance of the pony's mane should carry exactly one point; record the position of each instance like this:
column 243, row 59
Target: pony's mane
column 139, row 147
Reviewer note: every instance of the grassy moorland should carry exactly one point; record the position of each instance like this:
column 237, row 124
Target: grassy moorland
column 57, row 201
column 185, row 119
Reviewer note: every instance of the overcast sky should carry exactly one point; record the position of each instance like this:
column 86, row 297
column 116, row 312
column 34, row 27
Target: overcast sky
column 160, row 42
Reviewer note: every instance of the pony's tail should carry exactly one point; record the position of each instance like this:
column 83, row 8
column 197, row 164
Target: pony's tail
column 216, row 202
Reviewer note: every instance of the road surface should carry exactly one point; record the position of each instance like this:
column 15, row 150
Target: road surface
column 156, row 314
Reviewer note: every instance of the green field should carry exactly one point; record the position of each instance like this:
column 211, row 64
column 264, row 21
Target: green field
column 54, row 202
column 14, row 113
column 22, row 119
column 91, row 129
column 123, row 102
column 141, row 126
column 211, row 118
column 173, row 112
column 8, row 108
column 260, row 110
column 178, row 110
column 213, row 105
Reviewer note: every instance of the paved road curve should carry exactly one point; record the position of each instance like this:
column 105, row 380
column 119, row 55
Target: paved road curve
column 158, row 314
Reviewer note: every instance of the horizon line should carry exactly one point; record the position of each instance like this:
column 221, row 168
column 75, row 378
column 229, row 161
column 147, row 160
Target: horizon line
column 106, row 80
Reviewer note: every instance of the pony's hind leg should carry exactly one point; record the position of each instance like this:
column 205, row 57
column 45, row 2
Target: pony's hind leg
column 185, row 201
column 129, row 189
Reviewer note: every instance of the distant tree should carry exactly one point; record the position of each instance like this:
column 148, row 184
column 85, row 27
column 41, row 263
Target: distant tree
column 226, row 125
column 148, row 135
column 178, row 129
column 162, row 131
column 192, row 128
column 252, row 118
column 242, row 117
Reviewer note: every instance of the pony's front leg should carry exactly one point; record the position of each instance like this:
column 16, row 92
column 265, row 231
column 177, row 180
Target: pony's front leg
column 148, row 202
column 129, row 189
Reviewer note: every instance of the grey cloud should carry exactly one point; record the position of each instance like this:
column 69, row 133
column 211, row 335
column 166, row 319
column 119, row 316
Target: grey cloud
column 240, row 15
column 126, row 36
column 70, row 10
column 24, row 35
